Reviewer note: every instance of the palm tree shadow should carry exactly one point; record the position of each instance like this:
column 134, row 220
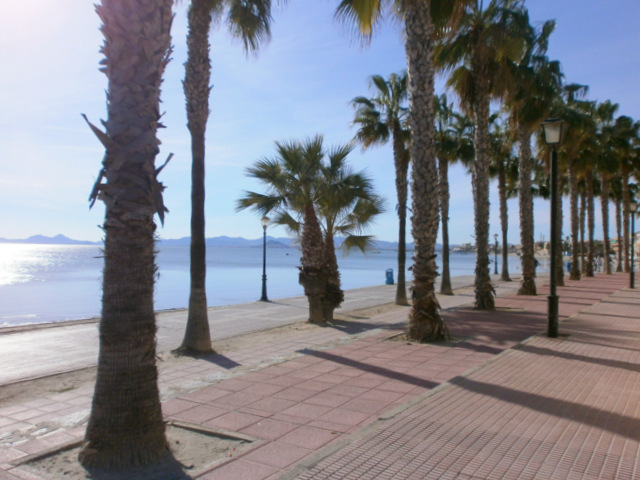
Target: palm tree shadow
column 166, row 469
column 213, row 357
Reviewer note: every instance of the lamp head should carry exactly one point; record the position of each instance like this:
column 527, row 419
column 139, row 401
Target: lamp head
column 633, row 207
column 553, row 131
column 264, row 221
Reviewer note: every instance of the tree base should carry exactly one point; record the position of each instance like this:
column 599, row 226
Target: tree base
column 527, row 287
column 425, row 323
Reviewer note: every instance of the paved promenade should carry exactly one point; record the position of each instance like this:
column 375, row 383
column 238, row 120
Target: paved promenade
column 349, row 401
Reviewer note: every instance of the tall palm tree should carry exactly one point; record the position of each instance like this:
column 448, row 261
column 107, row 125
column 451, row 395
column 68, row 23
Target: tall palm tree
column 250, row 21
column 504, row 167
column 292, row 180
column 479, row 53
column 420, row 20
column 535, row 86
column 125, row 424
column 607, row 165
column 454, row 142
column 379, row 118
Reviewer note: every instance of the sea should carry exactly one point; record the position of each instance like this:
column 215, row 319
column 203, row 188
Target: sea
column 53, row 283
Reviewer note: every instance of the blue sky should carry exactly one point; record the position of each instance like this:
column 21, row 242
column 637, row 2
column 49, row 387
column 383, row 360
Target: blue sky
column 298, row 85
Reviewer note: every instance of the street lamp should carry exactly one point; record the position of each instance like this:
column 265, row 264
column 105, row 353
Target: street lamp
column 495, row 261
column 553, row 131
column 633, row 208
column 265, row 222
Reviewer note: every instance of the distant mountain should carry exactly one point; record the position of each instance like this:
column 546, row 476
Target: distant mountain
column 223, row 241
column 43, row 240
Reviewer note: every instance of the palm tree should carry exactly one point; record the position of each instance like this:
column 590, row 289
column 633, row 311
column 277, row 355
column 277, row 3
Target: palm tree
column 535, row 86
column 379, row 118
column 479, row 53
column 504, row 167
column 250, row 21
column 607, row 165
column 420, row 20
column 346, row 207
column 454, row 142
column 125, row 424
column 292, row 179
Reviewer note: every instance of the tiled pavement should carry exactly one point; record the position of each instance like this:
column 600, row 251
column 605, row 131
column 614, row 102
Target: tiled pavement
column 345, row 402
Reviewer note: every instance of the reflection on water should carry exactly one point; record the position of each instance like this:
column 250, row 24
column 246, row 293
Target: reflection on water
column 45, row 283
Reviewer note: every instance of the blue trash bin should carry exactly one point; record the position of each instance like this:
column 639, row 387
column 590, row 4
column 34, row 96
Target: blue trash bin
column 389, row 280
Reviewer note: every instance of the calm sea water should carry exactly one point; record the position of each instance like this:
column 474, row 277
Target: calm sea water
column 49, row 283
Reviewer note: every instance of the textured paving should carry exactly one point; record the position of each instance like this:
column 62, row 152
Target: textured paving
column 347, row 402
column 566, row 408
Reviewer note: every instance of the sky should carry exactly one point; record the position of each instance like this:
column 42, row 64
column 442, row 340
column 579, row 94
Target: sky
column 298, row 85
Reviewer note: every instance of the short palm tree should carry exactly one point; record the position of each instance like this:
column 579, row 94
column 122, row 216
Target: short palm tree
column 292, row 181
column 421, row 20
column 250, row 21
column 380, row 118
column 125, row 424
column 346, row 205
column 479, row 53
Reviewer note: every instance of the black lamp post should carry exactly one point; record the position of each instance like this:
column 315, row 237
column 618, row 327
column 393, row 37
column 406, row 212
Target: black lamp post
column 265, row 222
column 495, row 259
column 633, row 208
column 553, row 130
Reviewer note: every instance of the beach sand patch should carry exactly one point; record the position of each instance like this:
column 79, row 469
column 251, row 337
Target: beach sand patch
column 194, row 449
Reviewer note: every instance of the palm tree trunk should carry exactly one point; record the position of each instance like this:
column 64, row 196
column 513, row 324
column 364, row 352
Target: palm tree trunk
column 583, row 248
column 528, row 284
column 312, row 271
column 626, row 233
column 425, row 322
column 445, row 281
column 480, row 180
column 558, row 239
column 504, row 221
column 197, row 337
column 125, row 425
column 333, row 295
column 575, row 221
column 401, row 160
column 590, row 223
column 619, row 233
column 604, row 204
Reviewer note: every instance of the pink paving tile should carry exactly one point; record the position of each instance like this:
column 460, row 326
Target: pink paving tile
column 234, row 385
column 315, row 385
column 240, row 470
column 206, row 395
column 295, row 393
column 367, row 406
column 268, row 429
column 177, row 405
column 327, row 399
column 237, row 399
column 9, row 454
column 233, row 421
column 199, row 414
column 263, row 389
column 306, row 411
column 271, row 405
column 26, row 414
column 347, row 390
column 333, row 378
column 310, row 437
column 277, row 454
column 305, row 374
column 285, row 380
column 344, row 416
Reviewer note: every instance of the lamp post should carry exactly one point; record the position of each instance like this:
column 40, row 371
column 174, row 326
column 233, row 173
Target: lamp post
column 495, row 258
column 633, row 208
column 265, row 222
column 553, row 130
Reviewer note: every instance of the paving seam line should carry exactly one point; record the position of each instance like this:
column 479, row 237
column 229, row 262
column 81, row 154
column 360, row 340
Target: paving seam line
column 310, row 462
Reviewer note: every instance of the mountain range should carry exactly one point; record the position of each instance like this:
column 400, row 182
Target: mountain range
column 222, row 241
